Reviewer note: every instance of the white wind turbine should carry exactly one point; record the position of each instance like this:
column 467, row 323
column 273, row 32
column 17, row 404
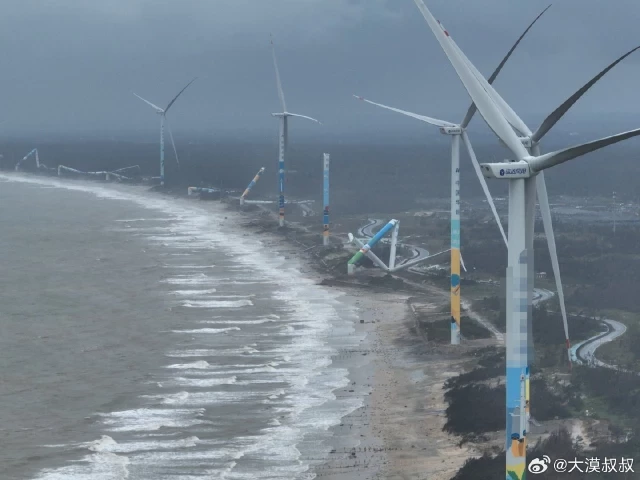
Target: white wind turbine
column 457, row 131
column 163, row 118
column 284, row 135
column 521, row 174
column 531, row 141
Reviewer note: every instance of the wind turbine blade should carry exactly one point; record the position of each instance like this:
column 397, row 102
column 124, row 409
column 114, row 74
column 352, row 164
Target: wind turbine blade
column 557, row 114
column 552, row 159
column 486, row 106
column 179, row 93
column 511, row 116
column 462, row 264
column 148, row 102
column 275, row 65
column 304, row 116
column 472, row 109
column 432, row 121
column 545, row 210
column 483, row 183
column 172, row 142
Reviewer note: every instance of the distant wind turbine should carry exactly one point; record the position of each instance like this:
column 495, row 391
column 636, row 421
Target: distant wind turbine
column 163, row 118
column 284, row 135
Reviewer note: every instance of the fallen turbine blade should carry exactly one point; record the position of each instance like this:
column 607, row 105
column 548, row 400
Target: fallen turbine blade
column 558, row 113
column 486, row 106
column 472, row 109
column 432, row 121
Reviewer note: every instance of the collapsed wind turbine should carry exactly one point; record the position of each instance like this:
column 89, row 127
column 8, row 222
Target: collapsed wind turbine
column 284, row 135
column 365, row 249
column 163, row 118
column 457, row 131
column 250, row 186
column 521, row 174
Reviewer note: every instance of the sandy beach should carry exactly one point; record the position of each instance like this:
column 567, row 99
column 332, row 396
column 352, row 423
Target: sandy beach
column 397, row 433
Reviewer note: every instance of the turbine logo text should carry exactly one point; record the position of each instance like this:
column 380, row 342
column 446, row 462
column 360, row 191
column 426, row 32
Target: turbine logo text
column 539, row 465
column 502, row 172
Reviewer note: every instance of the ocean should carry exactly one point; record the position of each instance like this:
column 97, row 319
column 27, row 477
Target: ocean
column 148, row 337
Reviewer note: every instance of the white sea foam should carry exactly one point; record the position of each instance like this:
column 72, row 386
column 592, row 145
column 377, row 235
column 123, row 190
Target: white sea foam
column 207, row 330
column 183, row 366
column 189, row 267
column 108, row 444
column 258, row 321
column 152, row 419
column 202, row 382
column 193, row 293
column 310, row 382
column 217, row 303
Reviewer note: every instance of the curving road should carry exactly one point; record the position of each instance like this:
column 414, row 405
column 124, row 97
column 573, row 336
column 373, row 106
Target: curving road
column 365, row 232
column 582, row 352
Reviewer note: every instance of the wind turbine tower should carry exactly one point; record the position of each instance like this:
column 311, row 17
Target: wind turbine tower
column 325, row 192
column 163, row 118
column 251, row 185
column 521, row 174
column 456, row 132
column 284, row 135
column 614, row 213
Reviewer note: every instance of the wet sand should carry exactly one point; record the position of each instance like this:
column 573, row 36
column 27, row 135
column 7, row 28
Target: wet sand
column 397, row 433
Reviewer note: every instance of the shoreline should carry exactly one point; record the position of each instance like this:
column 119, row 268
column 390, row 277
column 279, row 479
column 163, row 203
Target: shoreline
column 397, row 433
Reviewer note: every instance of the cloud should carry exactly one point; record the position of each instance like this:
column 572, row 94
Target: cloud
column 72, row 64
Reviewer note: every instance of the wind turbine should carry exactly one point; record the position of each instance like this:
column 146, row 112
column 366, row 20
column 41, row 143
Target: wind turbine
column 163, row 118
column 457, row 131
column 284, row 135
column 521, row 174
column 531, row 141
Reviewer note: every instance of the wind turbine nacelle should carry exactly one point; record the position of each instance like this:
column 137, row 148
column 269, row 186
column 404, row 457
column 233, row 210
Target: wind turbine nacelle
column 451, row 130
column 506, row 170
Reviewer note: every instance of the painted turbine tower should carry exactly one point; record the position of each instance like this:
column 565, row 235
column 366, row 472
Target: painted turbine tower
column 325, row 191
column 283, row 136
column 521, row 174
column 251, row 185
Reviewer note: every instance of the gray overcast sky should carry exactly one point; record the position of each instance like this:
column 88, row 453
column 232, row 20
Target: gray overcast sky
column 71, row 65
